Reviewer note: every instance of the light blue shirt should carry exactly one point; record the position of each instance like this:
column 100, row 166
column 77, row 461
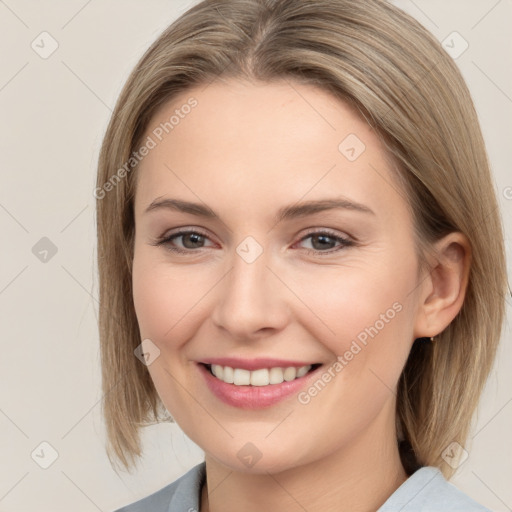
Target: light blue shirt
column 426, row 490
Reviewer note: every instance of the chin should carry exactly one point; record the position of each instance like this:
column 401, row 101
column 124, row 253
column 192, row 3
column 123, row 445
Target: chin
column 249, row 460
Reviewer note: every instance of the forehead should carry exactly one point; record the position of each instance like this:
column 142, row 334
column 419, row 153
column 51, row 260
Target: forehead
column 255, row 112
column 262, row 142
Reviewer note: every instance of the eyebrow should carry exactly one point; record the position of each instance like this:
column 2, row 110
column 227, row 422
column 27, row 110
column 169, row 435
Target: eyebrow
column 301, row 209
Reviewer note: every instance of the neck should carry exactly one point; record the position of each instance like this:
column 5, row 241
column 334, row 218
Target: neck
column 358, row 477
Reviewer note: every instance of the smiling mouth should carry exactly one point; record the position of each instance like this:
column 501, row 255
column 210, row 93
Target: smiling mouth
column 261, row 377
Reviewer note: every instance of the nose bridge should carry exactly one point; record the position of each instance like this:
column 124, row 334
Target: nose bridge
column 251, row 297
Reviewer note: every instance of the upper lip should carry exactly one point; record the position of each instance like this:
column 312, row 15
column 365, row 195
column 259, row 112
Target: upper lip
column 254, row 364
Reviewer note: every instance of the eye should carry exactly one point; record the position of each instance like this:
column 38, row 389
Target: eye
column 190, row 240
column 321, row 242
column 324, row 242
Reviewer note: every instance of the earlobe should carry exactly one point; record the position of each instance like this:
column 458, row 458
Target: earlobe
column 445, row 285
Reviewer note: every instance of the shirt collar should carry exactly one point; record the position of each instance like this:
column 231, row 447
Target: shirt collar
column 187, row 496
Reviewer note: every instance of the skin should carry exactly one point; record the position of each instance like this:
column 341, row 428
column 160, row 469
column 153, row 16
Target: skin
column 245, row 151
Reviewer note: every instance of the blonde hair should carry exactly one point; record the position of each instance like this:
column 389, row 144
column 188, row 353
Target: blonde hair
column 380, row 60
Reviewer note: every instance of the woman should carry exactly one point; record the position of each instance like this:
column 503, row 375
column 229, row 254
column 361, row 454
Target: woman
column 300, row 258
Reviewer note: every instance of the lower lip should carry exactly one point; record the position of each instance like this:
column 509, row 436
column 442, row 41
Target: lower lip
column 254, row 397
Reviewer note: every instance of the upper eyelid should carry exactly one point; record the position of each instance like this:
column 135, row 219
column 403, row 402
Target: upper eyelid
column 184, row 231
column 328, row 231
column 310, row 231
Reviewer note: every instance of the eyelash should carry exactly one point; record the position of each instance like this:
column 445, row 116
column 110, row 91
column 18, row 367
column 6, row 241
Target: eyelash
column 166, row 241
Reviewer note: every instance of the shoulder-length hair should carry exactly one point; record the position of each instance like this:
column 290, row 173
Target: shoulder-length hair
column 380, row 60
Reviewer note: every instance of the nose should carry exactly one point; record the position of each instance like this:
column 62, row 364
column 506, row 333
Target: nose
column 251, row 300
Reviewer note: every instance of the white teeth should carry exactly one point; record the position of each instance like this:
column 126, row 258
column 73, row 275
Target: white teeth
column 241, row 377
column 276, row 375
column 228, row 375
column 218, row 371
column 290, row 373
column 262, row 377
column 259, row 377
column 302, row 371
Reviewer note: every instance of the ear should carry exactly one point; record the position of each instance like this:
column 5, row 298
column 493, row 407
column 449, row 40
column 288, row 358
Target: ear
column 444, row 286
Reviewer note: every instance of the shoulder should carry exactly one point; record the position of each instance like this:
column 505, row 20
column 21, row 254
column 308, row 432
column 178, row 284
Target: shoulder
column 183, row 495
column 427, row 490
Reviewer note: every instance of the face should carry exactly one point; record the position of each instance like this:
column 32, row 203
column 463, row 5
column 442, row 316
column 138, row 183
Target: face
column 271, row 233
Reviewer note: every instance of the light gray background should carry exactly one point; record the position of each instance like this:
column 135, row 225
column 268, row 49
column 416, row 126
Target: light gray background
column 54, row 112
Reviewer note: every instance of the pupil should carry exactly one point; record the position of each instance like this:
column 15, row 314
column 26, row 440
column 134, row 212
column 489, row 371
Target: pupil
column 324, row 238
column 195, row 240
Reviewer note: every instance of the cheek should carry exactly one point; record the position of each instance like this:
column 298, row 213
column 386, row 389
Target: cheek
column 364, row 316
column 345, row 302
column 365, row 319
column 167, row 305
column 167, row 298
